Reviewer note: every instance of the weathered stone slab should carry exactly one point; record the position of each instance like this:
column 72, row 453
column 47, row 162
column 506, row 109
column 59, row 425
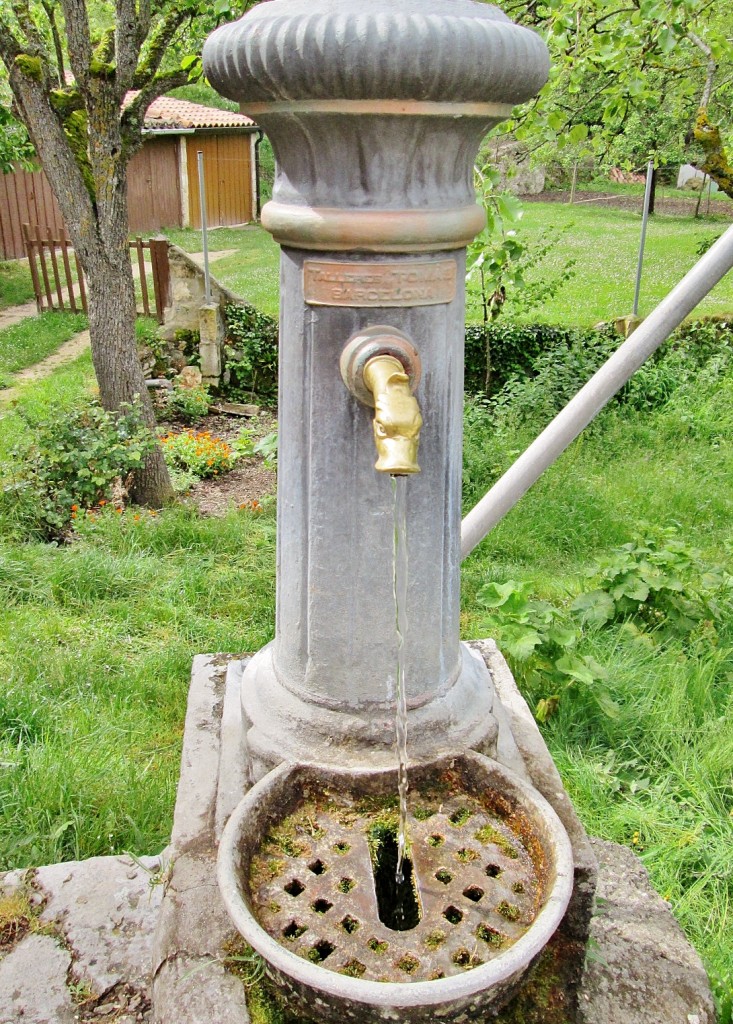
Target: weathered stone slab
column 33, row 986
column 643, row 969
column 106, row 909
column 190, row 984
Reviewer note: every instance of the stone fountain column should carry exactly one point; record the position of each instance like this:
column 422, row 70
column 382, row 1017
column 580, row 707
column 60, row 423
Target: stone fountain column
column 375, row 113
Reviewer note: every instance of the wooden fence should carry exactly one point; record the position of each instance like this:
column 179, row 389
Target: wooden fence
column 50, row 257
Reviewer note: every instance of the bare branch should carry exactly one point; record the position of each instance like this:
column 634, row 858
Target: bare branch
column 712, row 67
column 51, row 15
column 80, row 43
column 157, row 45
column 128, row 42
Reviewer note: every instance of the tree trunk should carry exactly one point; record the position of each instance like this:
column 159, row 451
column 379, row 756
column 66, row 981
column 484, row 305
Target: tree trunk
column 117, row 365
column 97, row 225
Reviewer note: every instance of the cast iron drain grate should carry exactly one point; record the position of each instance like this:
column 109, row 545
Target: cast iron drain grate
column 477, row 886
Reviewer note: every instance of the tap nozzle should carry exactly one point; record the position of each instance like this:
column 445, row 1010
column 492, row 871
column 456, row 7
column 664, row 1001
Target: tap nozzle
column 397, row 419
column 381, row 367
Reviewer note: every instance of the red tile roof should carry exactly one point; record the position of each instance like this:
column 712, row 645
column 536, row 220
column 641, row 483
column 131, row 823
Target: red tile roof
column 169, row 113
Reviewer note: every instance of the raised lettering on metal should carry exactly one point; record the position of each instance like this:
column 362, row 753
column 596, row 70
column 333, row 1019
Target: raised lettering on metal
column 413, row 283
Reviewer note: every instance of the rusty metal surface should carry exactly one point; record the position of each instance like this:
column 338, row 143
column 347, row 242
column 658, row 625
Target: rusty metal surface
column 477, row 886
column 409, row 283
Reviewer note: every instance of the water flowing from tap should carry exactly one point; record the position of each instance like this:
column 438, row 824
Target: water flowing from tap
column 399, row 581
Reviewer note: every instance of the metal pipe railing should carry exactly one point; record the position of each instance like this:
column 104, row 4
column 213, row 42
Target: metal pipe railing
column 604, row 384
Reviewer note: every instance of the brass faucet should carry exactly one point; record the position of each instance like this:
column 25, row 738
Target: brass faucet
column 381, row 368
column 397, row 419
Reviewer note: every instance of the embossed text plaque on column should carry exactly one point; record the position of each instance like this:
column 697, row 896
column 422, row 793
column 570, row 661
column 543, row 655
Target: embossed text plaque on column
column 408, row 283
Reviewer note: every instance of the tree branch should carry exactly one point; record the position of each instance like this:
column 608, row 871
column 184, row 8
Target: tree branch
column 156, row 47
column 129, row 39
column 712, row 67
column 79, row 40
column 51, row 15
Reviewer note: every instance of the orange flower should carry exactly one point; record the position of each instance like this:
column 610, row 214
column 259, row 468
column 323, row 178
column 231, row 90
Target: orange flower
column 74, row 508
column 73, row 515
column 136, row 517
column 118, row 510
column 153, row 512
column 102, row 501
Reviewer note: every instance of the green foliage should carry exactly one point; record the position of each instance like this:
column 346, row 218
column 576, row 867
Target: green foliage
column 540, row 642
column 250, row 354
column 499, row 267
column 667, row 587
column 189, row 404
column 70, row 462
column 198, row 453
column 249, row 444
column 16, row 149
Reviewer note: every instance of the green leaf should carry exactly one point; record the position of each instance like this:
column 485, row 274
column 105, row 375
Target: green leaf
column 595, row 608
column 576, row 668
column 578, row 133
column 510, row 208
column 519, row 641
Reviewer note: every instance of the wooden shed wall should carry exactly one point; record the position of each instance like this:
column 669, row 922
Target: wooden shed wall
column 154, row 186
column 228, row 177
column 25, row 197
column 154, row 189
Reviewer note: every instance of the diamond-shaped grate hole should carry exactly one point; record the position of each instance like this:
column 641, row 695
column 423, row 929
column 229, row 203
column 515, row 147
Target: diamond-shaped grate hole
column 321, row 906
column 317, row 867
column 460, row 816
column 474, row 893
column 444, row 876
column 342, row 847
column 320, row 951
column 294, row 930
column 508, row 911
column 453, row 915
column 294, row 888
column 353, row 968
column 465, row 855
column 518, row 888
column 376, row 946
column 490, row 935
column 345, row 885
column 408, row 963
column 349, row 924
column 493, row 870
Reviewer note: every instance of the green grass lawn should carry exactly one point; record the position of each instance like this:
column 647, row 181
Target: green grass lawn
column 604, row 243
column 16, row 286
column 31, row 340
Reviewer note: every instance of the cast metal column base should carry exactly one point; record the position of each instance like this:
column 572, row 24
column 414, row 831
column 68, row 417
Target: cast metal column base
column 282, row 725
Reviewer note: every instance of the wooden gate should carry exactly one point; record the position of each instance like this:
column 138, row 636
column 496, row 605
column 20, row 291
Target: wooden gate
column 58, row 287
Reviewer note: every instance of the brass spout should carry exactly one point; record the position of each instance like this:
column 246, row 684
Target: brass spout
column 397, row 419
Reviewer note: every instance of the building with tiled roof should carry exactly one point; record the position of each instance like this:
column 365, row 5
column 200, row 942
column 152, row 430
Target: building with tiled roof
column 169, row 114
column 163, row 183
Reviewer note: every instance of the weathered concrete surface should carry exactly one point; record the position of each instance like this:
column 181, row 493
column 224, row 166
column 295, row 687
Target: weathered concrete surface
column 190, row 984
column 88, row 950
column 33, row 987
column 106, row 909
column 644, row 970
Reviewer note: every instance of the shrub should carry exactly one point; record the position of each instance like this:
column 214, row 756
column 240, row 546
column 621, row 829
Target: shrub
column 72, row 462
column 198, row 453
column 190, row 404
column 250, row 354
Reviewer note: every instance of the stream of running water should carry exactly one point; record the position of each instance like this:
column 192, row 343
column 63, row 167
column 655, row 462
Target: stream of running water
column 399, row 582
